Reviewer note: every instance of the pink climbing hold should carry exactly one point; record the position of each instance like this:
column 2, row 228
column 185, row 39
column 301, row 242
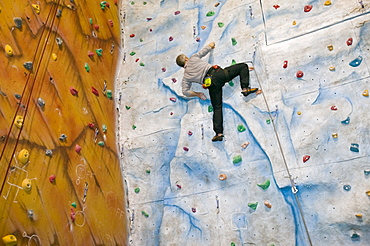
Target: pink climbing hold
column 276, row 6
column 194, row 210
column 306, row 158
column 197, row 39
column 299, row 74
column 91, row 125
column 186, row 149
column 95, row 91
column 52, row 178
column 190, row 133
column 307, row 8
column 164, row 69
column 78, row 148
column 110, row 23
column 349, row 41
column 73, row 215
column 90, row 54
column 173, row 99
column 177, row 12
column 174, row 80
column 170, row 39
column 285, row 64
column 333, row 108
column 73, row 91
column 178, row 186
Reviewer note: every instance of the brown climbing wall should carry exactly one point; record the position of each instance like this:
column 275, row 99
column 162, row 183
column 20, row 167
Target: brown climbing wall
column 84, row 204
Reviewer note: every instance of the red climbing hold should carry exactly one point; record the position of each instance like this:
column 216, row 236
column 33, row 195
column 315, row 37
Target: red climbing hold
column 349, row 41
column 164, row 69
column 52, row 178
column 96, row 27
column 73, row 91
column 173, row 99
column 193, row 210
column 306, row 158
column 137, row 60
column 90, row 54
column 285, row 64
column 186, row 149
column 307, row 8
column 78, row 148
column 95, row 91
column 333, row 108
column 91, row 125
column 107, row 4
column 132, row 35
column 174, row 80
column 110, row 23
column 178, row 186
column 190, row 133
column 299, row 74
column 276, row 6
column 170, row 39
column 150, row 30
column 177, row 12
column 149, row 19
column 115, row 2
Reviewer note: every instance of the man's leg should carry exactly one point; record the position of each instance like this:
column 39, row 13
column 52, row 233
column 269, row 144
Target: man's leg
column 241, row 70
column 216, row 101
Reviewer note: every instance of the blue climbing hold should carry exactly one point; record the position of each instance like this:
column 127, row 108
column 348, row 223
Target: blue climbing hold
column 346, row 187
column 346, row 121
column 356, row 62
column 354, row 147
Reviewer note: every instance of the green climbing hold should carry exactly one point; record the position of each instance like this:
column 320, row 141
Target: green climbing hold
column 132, row 53
column 141, row 40
column 87, row 67
column 233, row 41
column 145, row 214
column 233, row 62
column 99, row 52
column 253, row 205
column 211, row 13
column 104, row 128
column 220, row 24
column 231, row 83
column 109, row 94
column 101, row 143
column 237, row 159
column 142, row 64
column 265, row 185
column 144, row 3
column 137, row 190
column 133, row 127
column 241, row 128
column 268, row 121
column 73, row 204
column 132, row 3
column 232, row 244
column 210, row 108
column 127, row 107
column 147, row 171
column 90, row 21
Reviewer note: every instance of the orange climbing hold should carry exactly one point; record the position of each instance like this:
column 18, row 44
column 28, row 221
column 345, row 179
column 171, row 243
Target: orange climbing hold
column 307, row 8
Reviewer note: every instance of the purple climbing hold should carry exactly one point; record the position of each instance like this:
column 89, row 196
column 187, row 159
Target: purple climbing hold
column 164, row 69
column 170, row 39
column 190, row 133
column 186, row 149
column 174, row 80
column 177, row 12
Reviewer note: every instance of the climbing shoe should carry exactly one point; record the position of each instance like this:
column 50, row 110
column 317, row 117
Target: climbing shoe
column 217, row 138
column 249, row 91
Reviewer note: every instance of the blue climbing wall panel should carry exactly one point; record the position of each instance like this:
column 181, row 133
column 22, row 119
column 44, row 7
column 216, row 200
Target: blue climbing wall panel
column 293, row 167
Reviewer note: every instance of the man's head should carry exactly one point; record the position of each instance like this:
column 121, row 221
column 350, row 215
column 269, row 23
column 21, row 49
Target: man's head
column 181, row 59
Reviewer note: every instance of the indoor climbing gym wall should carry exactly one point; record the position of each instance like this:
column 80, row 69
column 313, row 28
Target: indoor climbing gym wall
column 293, row 168
column 61, row 181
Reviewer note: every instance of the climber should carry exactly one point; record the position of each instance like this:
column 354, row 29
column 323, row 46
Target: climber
column 212, row 78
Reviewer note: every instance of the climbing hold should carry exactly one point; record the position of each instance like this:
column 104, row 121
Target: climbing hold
column 177, row 12
column 28, row 65
column 18, row 122
column 54, row 56
column 244, row 145
column 132, row 35
column 194, row 210
column 358, row 216
column 62, row 137
column 73, row 215
column 96, row 26
column 87, row 67
column 73, row 204
column 334, row 135
column 253, row 205
column 327, row 3
column 127, row 107
column 101, row 143
column 110, row 23
column 367, row 172
column 78, row 148
column 346, row 121
column 355, row 236
column 332, row 68
column 264, row 185
column 220, row 24
column 18, row 22
column 172, row 99
column 36, row 7
column 241, row 128
column 174, row 80
column 132, row 53
column 334, row 108
column 147, row 171
column 30, row 214
column 16, row 95
column 233, row 41
column 222, row 176
column 354, row 147
column 285, row 65
column 356, row 62
column 268, row 121
column 299, row 74
column 104, row 128
column 276, row 6
column 299, row 112
column 145, row 214
column 103, row 4
column 368, row 192
column 307, row 8
column 203, row 27
column 142, row 64
column 190, row 133
column 99, row 52
column 267, row 204
column 294, row 23
column 137, row 190
column 210, row 108
column 109, row 94
column 217, row 4
column 185, row 149
column 90, row 54
column 41, row 102
column 349, row 41
column 164, row 69
column 237, row 159
column 133, row 127
column 330, row 47
column 346, row 187
column 90, row 21
column 306, row 158
column 8, row 50
column 91, row 125
column 26, row 184
column 365, row 93
column 59, row 13
column 197, row 39
column 10, row 240
column 231, row 83
column 52, row 178
column 170, row 39
column 232, row 244
column 73, row 91
column 59, row 41
column 210, row 13
column 48, row 152
column 23, row 156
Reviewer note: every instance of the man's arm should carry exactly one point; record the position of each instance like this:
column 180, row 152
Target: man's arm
column 205, row 50
column 188, row 93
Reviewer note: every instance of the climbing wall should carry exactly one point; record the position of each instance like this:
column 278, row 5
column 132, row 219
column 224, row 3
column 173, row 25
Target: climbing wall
column 61, row 183
column 293, row 168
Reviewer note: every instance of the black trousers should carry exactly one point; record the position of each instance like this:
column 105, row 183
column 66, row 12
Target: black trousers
column 219, row 78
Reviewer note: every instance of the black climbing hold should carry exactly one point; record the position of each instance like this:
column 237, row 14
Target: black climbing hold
column 18, row 22
column 28, row 65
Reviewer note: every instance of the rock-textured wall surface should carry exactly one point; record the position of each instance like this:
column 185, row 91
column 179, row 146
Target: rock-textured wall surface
column 61, row 183
column 303, row 179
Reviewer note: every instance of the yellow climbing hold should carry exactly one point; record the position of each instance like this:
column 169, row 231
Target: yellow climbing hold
column 23, row 156
column 334, row 135
column 365, row 93
column 36, row 7
column 359, row 216
column 368, row 192
column 330, row 47
column 332, row 68
column 54, row 56
column 10, row 240
column 9, row 50
column 294, row 23
column 26, row 184
column 327, row 3
column 299, row 112
column 18, row 122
